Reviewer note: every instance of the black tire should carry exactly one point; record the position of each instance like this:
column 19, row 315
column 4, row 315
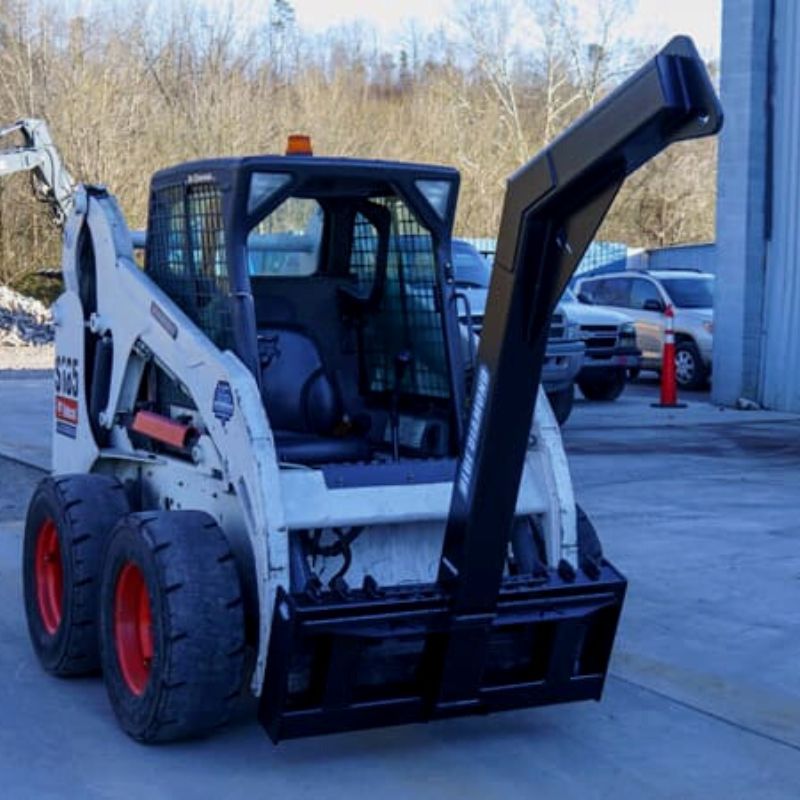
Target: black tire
column 561, row 403
column 69, row 520
column 196, row 670
column 607, row 387
column 690, row 373
column 590, row 550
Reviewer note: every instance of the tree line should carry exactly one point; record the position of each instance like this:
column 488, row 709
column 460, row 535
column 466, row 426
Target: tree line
column 130, row 88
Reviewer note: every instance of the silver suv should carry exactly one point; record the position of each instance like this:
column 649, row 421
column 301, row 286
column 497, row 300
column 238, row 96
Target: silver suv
column 644, row 296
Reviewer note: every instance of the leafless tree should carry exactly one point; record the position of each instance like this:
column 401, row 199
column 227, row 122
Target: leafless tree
column 131, row 88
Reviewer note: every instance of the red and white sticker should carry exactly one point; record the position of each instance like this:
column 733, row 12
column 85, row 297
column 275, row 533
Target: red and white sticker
column 67, row 416
column 67, row 410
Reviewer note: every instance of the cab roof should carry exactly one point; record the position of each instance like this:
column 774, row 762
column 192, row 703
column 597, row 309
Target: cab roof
column 658, row 274
column 679, row 273
column 377, row 170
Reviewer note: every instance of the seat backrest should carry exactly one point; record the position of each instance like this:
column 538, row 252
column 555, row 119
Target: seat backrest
column 298, row 392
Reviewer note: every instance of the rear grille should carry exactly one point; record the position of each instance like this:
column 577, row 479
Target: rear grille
column 599, row 337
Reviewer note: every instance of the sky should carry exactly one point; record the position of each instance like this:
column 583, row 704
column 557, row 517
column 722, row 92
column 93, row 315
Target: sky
column 653, row 21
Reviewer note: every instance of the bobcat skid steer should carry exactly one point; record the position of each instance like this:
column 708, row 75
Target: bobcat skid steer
column 279, row 465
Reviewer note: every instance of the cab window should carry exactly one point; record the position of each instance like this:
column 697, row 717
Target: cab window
column 608, row 291
column 286, row 243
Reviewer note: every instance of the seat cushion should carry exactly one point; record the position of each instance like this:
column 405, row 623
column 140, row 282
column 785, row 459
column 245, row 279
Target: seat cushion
column 306, row 448
column 298, row 393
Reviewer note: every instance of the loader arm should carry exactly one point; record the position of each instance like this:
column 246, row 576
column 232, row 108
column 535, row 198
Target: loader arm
column 53, row 184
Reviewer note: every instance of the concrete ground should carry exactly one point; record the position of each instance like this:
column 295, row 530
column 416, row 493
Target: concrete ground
column 699, row 508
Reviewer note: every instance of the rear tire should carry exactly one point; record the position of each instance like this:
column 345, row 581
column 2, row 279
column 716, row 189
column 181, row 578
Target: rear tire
column 561, row 403
column 66, row 530
column 607, row 387
column 172, row 625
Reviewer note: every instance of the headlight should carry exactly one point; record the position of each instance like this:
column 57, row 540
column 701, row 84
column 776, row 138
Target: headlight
column 708, row 326
column 627, row 332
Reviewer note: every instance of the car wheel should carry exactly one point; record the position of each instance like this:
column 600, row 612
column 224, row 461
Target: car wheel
column 561, row 403
column 689, row 370
column 606, row 388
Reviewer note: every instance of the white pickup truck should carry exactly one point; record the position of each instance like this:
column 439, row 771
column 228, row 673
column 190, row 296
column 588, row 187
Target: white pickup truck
column 564, row 357
column 611, row 348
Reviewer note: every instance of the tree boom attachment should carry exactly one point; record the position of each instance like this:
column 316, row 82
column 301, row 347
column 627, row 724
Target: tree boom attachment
column 477, row 641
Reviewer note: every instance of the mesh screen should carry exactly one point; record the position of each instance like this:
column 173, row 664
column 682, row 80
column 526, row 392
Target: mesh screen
column 364, row 254
column 408, row 318
column 186, row 255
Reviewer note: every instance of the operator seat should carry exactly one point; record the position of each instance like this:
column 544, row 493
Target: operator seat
column 302, row 400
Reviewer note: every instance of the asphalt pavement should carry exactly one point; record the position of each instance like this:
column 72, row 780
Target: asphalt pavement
column 699, row 508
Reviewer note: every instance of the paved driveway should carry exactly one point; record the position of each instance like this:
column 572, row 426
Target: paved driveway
column 701, row 511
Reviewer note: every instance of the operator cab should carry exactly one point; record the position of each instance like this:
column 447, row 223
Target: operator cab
column 329, row 278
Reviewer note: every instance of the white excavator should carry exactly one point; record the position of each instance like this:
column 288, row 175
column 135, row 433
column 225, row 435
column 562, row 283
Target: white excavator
column 38, row 155
column 278, row 469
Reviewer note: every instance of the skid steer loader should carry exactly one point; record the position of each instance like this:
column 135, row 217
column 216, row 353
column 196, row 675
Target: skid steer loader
column 277, row 462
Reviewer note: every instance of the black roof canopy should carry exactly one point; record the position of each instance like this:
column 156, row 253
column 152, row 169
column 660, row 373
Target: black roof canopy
column 319, row 177
column 309, row 166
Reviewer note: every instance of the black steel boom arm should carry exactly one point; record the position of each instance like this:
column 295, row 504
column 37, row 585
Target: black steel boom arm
column 552, row 209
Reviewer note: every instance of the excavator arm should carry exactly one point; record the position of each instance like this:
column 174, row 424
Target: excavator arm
column 38, row 155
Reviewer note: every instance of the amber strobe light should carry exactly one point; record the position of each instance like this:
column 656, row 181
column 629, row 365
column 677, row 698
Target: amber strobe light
column 299, row 144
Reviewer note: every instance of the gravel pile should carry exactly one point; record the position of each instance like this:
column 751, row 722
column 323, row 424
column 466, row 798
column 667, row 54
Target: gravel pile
column 23, row 320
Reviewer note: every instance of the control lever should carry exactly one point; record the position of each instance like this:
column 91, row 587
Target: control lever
column 402, row 361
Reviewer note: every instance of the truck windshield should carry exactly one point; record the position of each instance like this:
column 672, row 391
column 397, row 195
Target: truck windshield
column 471, row 268
column 690, row 292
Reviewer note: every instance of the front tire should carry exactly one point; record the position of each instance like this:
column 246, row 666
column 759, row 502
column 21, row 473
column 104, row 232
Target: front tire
column 172, row 625
column 606, row 387
column 561, row 402
column 689, row 370
column 68, row 522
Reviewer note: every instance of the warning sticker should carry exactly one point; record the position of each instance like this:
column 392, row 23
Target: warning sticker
column 66, row 416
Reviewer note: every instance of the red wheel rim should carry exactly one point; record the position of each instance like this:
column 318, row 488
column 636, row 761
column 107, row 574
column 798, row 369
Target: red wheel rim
column 133, row 632
column 49, row 576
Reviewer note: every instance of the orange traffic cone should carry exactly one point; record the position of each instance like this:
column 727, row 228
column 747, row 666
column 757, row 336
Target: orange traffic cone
column 669, row 386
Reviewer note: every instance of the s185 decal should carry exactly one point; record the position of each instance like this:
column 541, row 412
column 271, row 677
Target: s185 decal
column 67, row 376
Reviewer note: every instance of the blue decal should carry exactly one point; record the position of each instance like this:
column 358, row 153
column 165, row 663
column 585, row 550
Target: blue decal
column 67, row 430
column 223, row 402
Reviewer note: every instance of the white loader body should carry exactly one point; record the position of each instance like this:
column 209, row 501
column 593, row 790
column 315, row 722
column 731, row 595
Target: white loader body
column 236, row 476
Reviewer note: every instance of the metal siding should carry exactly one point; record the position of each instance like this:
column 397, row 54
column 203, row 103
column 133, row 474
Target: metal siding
column 781, row 373
column 740, row 202
column 686, row 256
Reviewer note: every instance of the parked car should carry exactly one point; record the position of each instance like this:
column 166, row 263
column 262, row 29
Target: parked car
column 565, row 348
column 645, row 296
column 611, row 348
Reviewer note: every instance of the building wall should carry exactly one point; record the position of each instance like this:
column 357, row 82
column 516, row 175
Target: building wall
column 741, row 206
column 780, row 375
column 686, row 256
